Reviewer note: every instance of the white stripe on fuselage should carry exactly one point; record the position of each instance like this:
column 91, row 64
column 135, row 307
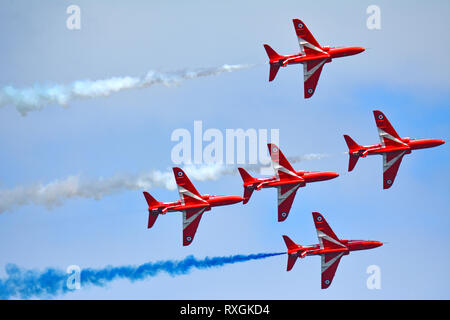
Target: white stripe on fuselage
column 384, row 135
column 303, row 43
column 277, row 167
column 184, row 192
column 322, row 235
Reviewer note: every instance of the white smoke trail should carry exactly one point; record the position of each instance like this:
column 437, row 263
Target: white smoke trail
column 56, row 192
column 36, row 97
column 309, row 157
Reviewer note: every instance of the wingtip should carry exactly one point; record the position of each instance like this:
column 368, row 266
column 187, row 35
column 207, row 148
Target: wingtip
column 178, row 172
column 282, row 216
column 318, row 217
column 273, row 148
column 377, row 112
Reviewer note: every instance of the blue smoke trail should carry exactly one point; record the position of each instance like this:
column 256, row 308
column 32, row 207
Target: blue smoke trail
column 24, row 284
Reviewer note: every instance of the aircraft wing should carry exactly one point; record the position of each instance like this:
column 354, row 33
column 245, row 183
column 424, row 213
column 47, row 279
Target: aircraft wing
column 286, row 196
column 281, row 165
column 330, row 262
column 391, row 163
column 306, row 41
column 327, row 238
column 311, row 75
column 387, row 133
column 191, row 219
column 187, row 191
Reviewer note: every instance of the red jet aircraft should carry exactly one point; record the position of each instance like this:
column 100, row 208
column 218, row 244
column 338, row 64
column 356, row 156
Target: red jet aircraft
column 330, row 248
column 392, row 147
column 286, row 180
column 312, row 56
column 192, row 205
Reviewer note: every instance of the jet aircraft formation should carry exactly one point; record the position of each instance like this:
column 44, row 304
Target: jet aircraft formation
column 287, row 180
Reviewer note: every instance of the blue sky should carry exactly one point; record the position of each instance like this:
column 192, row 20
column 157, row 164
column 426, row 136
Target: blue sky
column 404, row 73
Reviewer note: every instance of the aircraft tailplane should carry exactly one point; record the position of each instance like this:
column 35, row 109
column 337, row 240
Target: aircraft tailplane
column 352, row 160
column 152, row 202
column 291, row 261
column 352, row 146
column 274, row 59
column 273, row 71
column 273, row 56
column 248, row 184
column 289, row 243
column 151, row 219
column 292, row 258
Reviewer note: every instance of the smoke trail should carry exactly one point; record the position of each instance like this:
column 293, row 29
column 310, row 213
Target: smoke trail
column 24, row 284
column 36, row 97
column 56, row 192
column 309, row 157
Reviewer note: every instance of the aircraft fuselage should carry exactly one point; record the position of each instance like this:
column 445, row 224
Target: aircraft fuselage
column 409, row 145
column 350, row 245
column 210, row 201
column 307, row 177
column 328, row 53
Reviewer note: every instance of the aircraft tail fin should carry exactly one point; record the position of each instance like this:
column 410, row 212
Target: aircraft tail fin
column 151, row 203
column 248, row 184
column 292, row 258
column 273, row 60
column 352, row 146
